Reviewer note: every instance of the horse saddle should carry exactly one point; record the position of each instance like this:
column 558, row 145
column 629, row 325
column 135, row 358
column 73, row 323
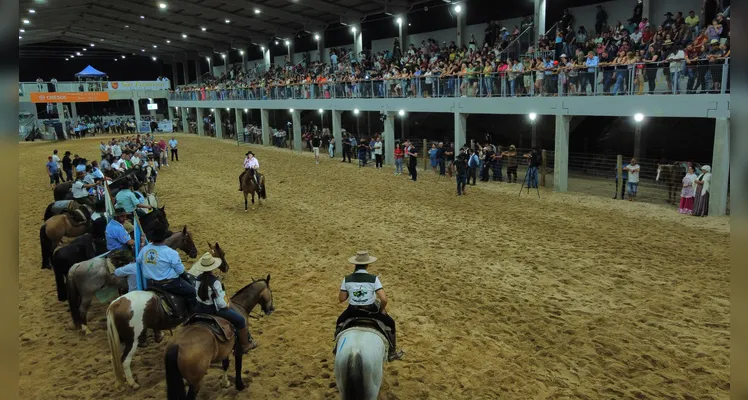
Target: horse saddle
column 175, row 306
column 365, row 322
column 58, row 207
column 221, row 328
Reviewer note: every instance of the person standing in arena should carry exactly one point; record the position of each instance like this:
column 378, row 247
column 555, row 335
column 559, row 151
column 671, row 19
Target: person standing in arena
column 173, row 147
column 316, row 142
column 633, row 169
column 412, row 153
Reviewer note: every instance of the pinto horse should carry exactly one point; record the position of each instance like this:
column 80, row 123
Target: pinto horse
column 130, row 316
column 86, row 278
column 193, row 348
column 250, row 187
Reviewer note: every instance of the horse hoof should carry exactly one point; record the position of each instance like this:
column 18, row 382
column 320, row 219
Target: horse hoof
column 135, row 386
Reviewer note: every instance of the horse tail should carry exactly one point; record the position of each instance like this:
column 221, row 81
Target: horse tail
column 262, row 193
column 354, row 381
column 174, row 382
column 48, row 212
column 46, row 245
column 74, row 297
column 114, row 343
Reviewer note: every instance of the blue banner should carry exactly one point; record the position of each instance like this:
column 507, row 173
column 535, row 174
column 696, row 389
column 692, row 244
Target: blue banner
column 138, row 266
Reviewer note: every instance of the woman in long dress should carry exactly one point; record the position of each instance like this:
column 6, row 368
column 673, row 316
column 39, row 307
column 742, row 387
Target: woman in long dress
column 701, row 200
column 687, row 194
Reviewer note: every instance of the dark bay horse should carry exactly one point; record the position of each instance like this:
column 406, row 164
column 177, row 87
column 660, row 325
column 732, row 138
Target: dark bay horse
column 63, row 191
column 80, row 249
column 671, row 175
column 54, row 229
column 193, row 348
column 155, row 218
column 130, row 316
column 250, row 187
column 88, row 277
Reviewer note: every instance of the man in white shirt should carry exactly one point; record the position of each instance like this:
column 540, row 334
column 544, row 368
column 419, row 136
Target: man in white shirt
column 80, row 190
column 633, row 181
column 116, row 150
column 251, row 165
column 378, row 151
column 677, row 64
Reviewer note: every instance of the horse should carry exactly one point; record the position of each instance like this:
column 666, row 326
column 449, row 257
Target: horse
column 62, row 206
column 155, row 218
column 672, row 176
column 54, row 229
column 86, row 278
column 193, row 348
column 80, row 249
column 249, row 186
column 359, row 361
column 63, row 191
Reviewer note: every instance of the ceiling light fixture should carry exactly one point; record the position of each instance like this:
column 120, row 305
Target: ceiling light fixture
column 20, row 37
column 458, row 8
column 77, row 53
column 399, row 20
column 204, row 29
column 223, row 56
column 123, row 56
column 162, row 5
column 241, row 52
column 116, row 59
column 142, row 50
column 85, row 49
column 276, row 42
column 72, row 56
column 257, row 10
column 142, row 17
column 127, row 26
column 25, row 21
column 262, row 48
column 92, row 45
column 154, row 46
column 184, row 36
column 154, row 58
column 23, row 30
column 353, row 29
column 287, row 43
column 32, row 11
column 168, row 41
column 67, row 59
column 228, row 21
column 316, row 37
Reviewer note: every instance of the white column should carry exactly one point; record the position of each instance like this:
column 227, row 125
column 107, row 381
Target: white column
column 646, row 12
column 358, row 42
column 266, row 59
column 175, row 75
column 198, row 71
column 200, row 123
column 185, row 121
column 389, row 138
column 638, row 140
column 61, row 117
column 534, row 137
column 219, row 123
column 153, row 113
column 296, row 122
column 291, row 50
column 402, row 31
column 186, row 72
column 239, row 123
column 321, row 48
column 561, row 154
column 460, row 129
column 136, row 106
column 265, row 117
column 720, row 168
column 337, row 131
column 244, row 60
column 171, row 113
column 539, row 18
column 460, row 30
column 73, row 112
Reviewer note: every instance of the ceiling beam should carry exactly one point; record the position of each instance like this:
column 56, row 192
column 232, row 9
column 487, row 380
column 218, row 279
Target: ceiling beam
column 329, row 8
column 144, row 41
column 278, row 13
column 90, row 36
column 173, row 36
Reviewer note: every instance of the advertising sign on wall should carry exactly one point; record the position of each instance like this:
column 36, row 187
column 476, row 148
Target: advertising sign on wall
column 68, row 97
column 140, row 85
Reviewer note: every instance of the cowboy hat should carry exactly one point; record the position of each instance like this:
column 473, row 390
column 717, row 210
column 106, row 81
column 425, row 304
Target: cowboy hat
column 706, row 168
column 207, row 263
column 159, row 234
column 563, row 55
column 668, row 14
column 714, row 41
column 511, row 147
column 667, row 42
column 119, row 211
column 248, row 153
column 362, row 257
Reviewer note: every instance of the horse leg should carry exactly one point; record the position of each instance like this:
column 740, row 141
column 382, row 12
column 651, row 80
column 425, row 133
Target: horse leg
column 194, row 389
column 225, row 366
column 245, row 201
column 128, row 354
column 253, row 200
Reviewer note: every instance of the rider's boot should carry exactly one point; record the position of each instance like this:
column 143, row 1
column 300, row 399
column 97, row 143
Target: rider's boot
column 245, row 341
column 394, row 354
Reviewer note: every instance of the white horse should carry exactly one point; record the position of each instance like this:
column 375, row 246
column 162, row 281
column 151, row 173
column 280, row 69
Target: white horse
column 361, row 352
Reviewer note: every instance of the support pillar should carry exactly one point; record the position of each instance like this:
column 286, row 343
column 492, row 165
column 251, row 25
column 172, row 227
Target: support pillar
column 539, row 19
column 73, row 112
column 244, row 59
column 460, row 129
column 185, row 120
column 296, row 125
column 174, row 75
column 171, row 114
column 265, row 122
column 358, row 43
column 219, row 123
column 186, row 72
column 534, row 138
column 720, row 168
column 561, row 155
column 200, row 122
column 321, row 48
column 290, row 48
column 266, row 59
column 402, row 31
column 239, row 123
column 337, row 131
column 638, row 140
column 647, row 13
column 198, row 71
column 460, row 31
column 61, row 117
column 389, row 138
column 136, row 106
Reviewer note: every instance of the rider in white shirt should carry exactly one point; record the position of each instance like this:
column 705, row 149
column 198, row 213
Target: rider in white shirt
column 252, row 165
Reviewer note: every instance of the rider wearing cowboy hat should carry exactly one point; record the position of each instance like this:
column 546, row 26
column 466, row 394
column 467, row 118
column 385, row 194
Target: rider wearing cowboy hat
column 118, row 241
column 362, row 289
column 80, row 189
column 212, row 299
column 252, row 165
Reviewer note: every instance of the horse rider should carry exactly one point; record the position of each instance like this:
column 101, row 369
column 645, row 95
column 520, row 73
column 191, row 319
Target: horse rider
column 251, row 165
column 80, row 189
column 128, row 200
column 163, row 269
column 362, row 289
column 212, row 299
column 118, row 241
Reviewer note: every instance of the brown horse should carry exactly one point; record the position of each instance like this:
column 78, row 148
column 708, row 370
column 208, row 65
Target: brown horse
column 130, row 316
column 54, row 229
column 671, row 175
column 193, row 348
column 249, row 186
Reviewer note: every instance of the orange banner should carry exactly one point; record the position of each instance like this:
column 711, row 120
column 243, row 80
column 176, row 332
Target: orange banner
column 68, row 97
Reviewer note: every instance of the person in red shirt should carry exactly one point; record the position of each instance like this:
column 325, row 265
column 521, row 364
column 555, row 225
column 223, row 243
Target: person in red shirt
column 398, row 159
column 647, row 35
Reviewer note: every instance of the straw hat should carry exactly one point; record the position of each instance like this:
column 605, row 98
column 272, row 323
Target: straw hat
column 207, row 263
column 511, row 147
column 706, row 168
column 362, row 257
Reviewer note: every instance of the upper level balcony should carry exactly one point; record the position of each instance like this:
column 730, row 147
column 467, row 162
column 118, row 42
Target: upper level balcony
column 623, row 90
column 116, row 90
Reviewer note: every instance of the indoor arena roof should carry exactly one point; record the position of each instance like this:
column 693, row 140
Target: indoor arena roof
column 168, row 28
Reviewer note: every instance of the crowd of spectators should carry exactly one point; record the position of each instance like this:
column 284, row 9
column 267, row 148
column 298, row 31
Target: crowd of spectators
column 614, row 59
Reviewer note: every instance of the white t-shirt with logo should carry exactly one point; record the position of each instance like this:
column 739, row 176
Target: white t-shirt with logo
column 633, row 173
column 361, row 293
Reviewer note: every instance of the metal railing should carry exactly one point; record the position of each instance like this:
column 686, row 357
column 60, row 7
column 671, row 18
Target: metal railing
column 623, row 79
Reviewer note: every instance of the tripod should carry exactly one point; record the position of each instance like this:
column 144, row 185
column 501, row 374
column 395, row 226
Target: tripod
column 532, row 173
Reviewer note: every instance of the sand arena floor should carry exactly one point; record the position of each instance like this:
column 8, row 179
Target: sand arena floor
column 568, row 296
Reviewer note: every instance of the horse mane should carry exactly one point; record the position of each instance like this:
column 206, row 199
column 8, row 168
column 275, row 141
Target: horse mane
column 245, row 288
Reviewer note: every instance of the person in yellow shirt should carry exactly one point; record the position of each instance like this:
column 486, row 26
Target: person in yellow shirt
column 692, row 20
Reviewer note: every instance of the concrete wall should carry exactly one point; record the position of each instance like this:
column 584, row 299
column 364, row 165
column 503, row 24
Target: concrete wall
column 621, row 10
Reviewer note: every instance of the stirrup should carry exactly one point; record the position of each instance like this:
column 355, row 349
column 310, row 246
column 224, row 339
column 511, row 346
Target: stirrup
column 395, row 355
